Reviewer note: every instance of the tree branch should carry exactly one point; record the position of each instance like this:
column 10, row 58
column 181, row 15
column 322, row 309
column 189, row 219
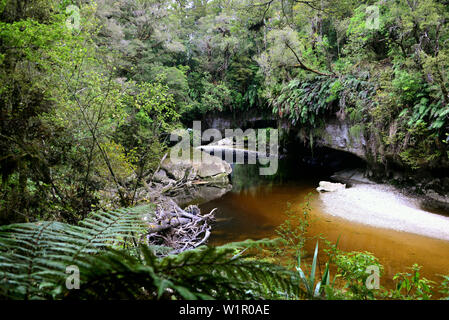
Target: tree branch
column 303, row 66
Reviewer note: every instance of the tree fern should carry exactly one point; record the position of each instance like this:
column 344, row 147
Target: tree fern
column 30, row 253
column 114, row 265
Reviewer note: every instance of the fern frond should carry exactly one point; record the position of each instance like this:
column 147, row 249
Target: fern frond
column 31, row 253
column 203, row 273
column 34, row 258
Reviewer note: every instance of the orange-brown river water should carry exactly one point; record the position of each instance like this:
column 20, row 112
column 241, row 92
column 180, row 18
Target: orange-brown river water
column 256, row 206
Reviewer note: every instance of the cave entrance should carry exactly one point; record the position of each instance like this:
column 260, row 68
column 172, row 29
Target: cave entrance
column 320, row 162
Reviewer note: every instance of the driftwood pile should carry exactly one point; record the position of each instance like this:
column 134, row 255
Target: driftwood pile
column 178, row 229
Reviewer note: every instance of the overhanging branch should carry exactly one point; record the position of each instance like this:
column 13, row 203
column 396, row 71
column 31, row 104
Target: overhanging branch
column 303, row 66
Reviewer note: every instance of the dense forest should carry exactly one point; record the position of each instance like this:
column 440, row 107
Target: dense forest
column 90, row 90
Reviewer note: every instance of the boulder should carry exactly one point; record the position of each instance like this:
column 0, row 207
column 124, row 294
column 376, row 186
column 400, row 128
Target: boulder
column 206, row 168
column 202, row 179
column 326, row 186
column 176, row 169
column 351, row 176
column 161, row 176
column 213, row 166
column 435, row 201
column 224, row 142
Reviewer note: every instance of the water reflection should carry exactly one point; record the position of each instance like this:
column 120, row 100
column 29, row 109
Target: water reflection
column 256, row 206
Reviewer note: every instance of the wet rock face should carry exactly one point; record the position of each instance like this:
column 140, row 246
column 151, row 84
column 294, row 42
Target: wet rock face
column 351, row 177
column 436, row 194
column 337, row 136
column 436, row 201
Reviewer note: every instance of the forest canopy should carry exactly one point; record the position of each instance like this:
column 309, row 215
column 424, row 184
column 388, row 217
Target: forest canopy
column 89, row 89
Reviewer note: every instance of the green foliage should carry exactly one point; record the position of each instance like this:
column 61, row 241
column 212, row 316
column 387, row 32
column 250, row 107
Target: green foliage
column 312, row 290
column 356, row 131
column 389, row 77
column 155, row 106
column 121, row 162
column 306, row 102
column 351, row 267
column 334, row 91
column 206, row 273
column 312, row 101
column 407, row 85
column 66, row 110
column 444, row 288
column 34, row 257
column 214, row 97
column 42, row 117
column 411, row 286
column 293, row 231
column 421, row 147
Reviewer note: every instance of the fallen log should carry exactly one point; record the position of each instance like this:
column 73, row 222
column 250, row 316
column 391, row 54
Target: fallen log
column 178, row 229
column 166, row 224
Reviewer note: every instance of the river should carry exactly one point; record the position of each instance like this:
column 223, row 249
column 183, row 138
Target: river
column 257, row 204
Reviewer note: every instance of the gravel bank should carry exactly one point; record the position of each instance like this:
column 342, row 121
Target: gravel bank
column 384, row 207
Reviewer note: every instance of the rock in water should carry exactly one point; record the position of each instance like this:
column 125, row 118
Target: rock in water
column 206, row 167
column 197, row 180
column 326, row 186
column 212, row 166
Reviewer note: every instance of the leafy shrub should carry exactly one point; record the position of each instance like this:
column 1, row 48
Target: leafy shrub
column 407, row 85
column 410, row 285
column 351, row 267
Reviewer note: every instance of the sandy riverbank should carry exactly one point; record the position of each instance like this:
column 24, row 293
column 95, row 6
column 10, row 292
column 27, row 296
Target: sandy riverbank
column 384, row 207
